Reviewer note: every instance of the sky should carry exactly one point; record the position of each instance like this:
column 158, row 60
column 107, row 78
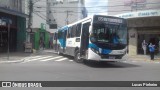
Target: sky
column 96, row 6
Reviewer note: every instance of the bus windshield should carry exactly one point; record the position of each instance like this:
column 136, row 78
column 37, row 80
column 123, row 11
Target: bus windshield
column 109, row 33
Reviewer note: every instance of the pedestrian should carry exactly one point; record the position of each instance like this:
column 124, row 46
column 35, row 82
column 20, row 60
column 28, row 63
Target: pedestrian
column 41, row 44
column 152, row 50
column 144, row 47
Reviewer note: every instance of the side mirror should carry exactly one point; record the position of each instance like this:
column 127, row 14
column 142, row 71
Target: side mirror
column 93, row 39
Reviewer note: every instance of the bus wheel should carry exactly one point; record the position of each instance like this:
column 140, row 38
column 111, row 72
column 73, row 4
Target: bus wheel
column 77, row 57
column 58, row 51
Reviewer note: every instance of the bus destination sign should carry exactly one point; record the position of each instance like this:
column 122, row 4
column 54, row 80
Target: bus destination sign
column 108, row 19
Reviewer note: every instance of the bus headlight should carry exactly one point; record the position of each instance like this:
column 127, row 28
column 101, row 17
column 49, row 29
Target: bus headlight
column 121, row 52
column 94, row 50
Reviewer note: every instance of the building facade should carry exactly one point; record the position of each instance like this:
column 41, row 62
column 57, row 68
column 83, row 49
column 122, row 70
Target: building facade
column 38, row 24
column 39, row 13
column 12, row 25
column 64, row 12
column 143, row 18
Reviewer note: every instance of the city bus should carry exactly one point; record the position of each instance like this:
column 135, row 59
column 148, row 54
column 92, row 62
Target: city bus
column 98, row 38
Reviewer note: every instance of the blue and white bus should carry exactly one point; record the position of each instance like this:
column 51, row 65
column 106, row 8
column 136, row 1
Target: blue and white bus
column 99, row 38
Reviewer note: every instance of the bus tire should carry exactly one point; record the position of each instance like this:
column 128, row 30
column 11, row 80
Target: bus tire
column 77, row 57
column 58, row 51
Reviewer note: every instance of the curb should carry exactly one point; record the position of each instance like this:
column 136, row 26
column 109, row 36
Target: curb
column 13, row 61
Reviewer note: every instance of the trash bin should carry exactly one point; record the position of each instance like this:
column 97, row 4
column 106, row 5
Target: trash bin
column 28, row 47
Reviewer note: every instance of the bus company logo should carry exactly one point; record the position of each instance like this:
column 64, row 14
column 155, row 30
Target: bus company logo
column 6, row 84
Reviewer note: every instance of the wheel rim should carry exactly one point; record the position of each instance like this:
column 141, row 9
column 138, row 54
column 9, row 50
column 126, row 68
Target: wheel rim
column 78, row 58
column 58, row 51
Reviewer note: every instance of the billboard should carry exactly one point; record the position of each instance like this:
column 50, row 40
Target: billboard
column 135, row 4
column 130, row 2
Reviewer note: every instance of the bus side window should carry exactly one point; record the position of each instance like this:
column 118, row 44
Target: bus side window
column 78, row 30
column 73, row 32
column 69, row 32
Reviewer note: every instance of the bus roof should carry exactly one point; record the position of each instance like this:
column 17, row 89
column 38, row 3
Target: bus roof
column 63, row 28
column 90, row 17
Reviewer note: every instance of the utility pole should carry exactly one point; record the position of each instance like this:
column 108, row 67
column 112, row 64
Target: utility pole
column 67, row 17
column 29, row 29
column 28, row 44
column 8, row 21
column 67, row 12
column 8, row 38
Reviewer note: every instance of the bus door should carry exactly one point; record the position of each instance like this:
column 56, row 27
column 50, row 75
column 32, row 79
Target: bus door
column 84, row 37
column 64, row 40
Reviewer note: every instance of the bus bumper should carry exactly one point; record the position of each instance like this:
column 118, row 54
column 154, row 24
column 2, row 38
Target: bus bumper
column 110, row 57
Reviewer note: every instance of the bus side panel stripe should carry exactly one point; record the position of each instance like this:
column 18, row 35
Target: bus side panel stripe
column 103, row 51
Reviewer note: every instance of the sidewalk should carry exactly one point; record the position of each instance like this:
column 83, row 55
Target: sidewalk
column 145, row 58
column 13, row 57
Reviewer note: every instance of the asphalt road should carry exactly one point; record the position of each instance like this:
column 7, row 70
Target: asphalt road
column 51, row 67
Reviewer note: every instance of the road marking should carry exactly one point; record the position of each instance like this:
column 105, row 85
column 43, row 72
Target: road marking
column 50, row 59
column 157, row 62
column 36, row 59
column 70, row 60
column 31, row 57
column 61, row 59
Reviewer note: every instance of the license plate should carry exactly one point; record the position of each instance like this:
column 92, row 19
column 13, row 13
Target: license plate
column 111, row 57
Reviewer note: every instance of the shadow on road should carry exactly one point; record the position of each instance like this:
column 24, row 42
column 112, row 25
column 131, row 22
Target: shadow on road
column 95, row 64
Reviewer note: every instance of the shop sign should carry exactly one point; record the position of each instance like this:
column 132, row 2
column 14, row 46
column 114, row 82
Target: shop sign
column 140, row 14
column 132, row 35
column 43, row 26
column 2, row 22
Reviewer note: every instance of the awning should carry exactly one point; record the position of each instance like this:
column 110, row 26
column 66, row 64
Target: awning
column 13, row 12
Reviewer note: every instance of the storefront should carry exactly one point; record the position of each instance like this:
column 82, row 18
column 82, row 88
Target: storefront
column 12, row 30
column 144, row 25
column 38, row 35
column 4, row 39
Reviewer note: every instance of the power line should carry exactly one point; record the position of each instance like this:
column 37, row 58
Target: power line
column 100, row 12
column 98, row 6
column 43, row 16
column 40, row 16
column 40, row 13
